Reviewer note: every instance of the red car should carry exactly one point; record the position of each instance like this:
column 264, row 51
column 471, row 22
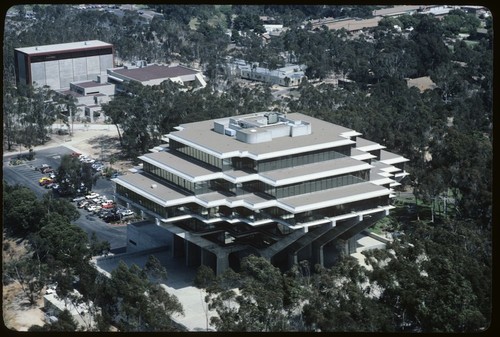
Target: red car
column 108, row 205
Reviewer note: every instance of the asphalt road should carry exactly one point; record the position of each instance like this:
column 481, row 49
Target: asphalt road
column 26, row 175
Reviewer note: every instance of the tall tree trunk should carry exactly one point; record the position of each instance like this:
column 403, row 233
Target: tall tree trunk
column 119, row 134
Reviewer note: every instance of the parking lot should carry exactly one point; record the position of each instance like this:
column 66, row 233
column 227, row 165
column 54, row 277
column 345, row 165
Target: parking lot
column 26, row 174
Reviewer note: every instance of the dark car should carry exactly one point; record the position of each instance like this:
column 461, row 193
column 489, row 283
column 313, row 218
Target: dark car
column 112, row 217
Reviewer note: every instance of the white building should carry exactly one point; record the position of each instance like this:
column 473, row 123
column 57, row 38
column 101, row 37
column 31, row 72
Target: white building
column 57, row 65
column 284, row 187
column 289, row 75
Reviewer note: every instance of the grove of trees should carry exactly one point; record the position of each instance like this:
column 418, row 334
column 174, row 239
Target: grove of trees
column 59, row 252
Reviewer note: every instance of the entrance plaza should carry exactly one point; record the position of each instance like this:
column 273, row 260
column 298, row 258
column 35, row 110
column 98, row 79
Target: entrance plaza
column 180, row 277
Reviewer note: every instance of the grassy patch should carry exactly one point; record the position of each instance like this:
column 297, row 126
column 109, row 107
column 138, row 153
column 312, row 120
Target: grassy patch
column 385, row 224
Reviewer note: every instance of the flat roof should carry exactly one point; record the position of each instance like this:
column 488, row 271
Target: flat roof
column 178, row 163
column 335, row 196
column 69, row 92
column 324, row 168
column 154, row 71
column 389, row 157
column 202, row 136
column 62, row 47
column 363, row 143
column 90, row 84
column 395, row 10
column 140, row 183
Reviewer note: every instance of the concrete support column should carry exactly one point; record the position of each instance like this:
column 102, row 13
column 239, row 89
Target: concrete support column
column 193, row 254
column 177, row 246
column 222, row 262
column 351, row 245
column 319, row 255
column 204, row 257
column 293, row 259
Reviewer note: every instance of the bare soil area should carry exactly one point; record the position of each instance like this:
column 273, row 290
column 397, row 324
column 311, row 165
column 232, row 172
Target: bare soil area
column 18, row 313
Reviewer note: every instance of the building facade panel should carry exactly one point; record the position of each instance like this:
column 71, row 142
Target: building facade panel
column 21, row 64
column 80, row 69
column 38, row 74
column 93, row 67
column 52, row 78
column 66, row 72
column 105, row 62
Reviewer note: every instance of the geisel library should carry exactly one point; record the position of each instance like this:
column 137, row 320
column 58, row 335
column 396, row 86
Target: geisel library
column 287, row 187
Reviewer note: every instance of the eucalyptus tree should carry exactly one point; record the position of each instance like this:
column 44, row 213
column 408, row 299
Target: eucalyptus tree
column 256, row 299
column 21, row 210
column 436, row 278
column 340, row 302
column 143, row 305
column 73, row 176
column 9, row 115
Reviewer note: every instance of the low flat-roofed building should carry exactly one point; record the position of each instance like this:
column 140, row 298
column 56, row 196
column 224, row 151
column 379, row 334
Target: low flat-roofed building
column 154, row 74
column 281, row 186
column 289, row 75
column 89, row 95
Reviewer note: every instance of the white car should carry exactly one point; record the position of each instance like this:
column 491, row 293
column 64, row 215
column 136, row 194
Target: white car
column 91, row 208
column 78, row 199
column 127, row 212
column 92, row 195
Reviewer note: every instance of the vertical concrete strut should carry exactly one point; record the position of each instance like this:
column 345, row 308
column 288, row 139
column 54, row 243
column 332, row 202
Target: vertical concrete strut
column 277, row 247
column 332, row 234
column 345, row 230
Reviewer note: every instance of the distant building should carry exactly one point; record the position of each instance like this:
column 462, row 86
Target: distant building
column 284, row 187
column 290, row 75
column 57, row 65
column 89, row 96
column 154, row 74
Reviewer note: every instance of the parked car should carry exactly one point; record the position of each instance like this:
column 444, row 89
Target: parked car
column 45, row 181
column 78, row 199
column 90, row 207
column 107, row 201
column 92, row 195
column 44, row 168
column 75, row 154
column 82, row 204
column 103, row 212
column 41, row 180
column 47, row 170
column 112, row 217
column 126, row 212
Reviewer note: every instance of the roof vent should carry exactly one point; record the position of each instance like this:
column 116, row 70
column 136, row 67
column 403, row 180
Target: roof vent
column 154, row 186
